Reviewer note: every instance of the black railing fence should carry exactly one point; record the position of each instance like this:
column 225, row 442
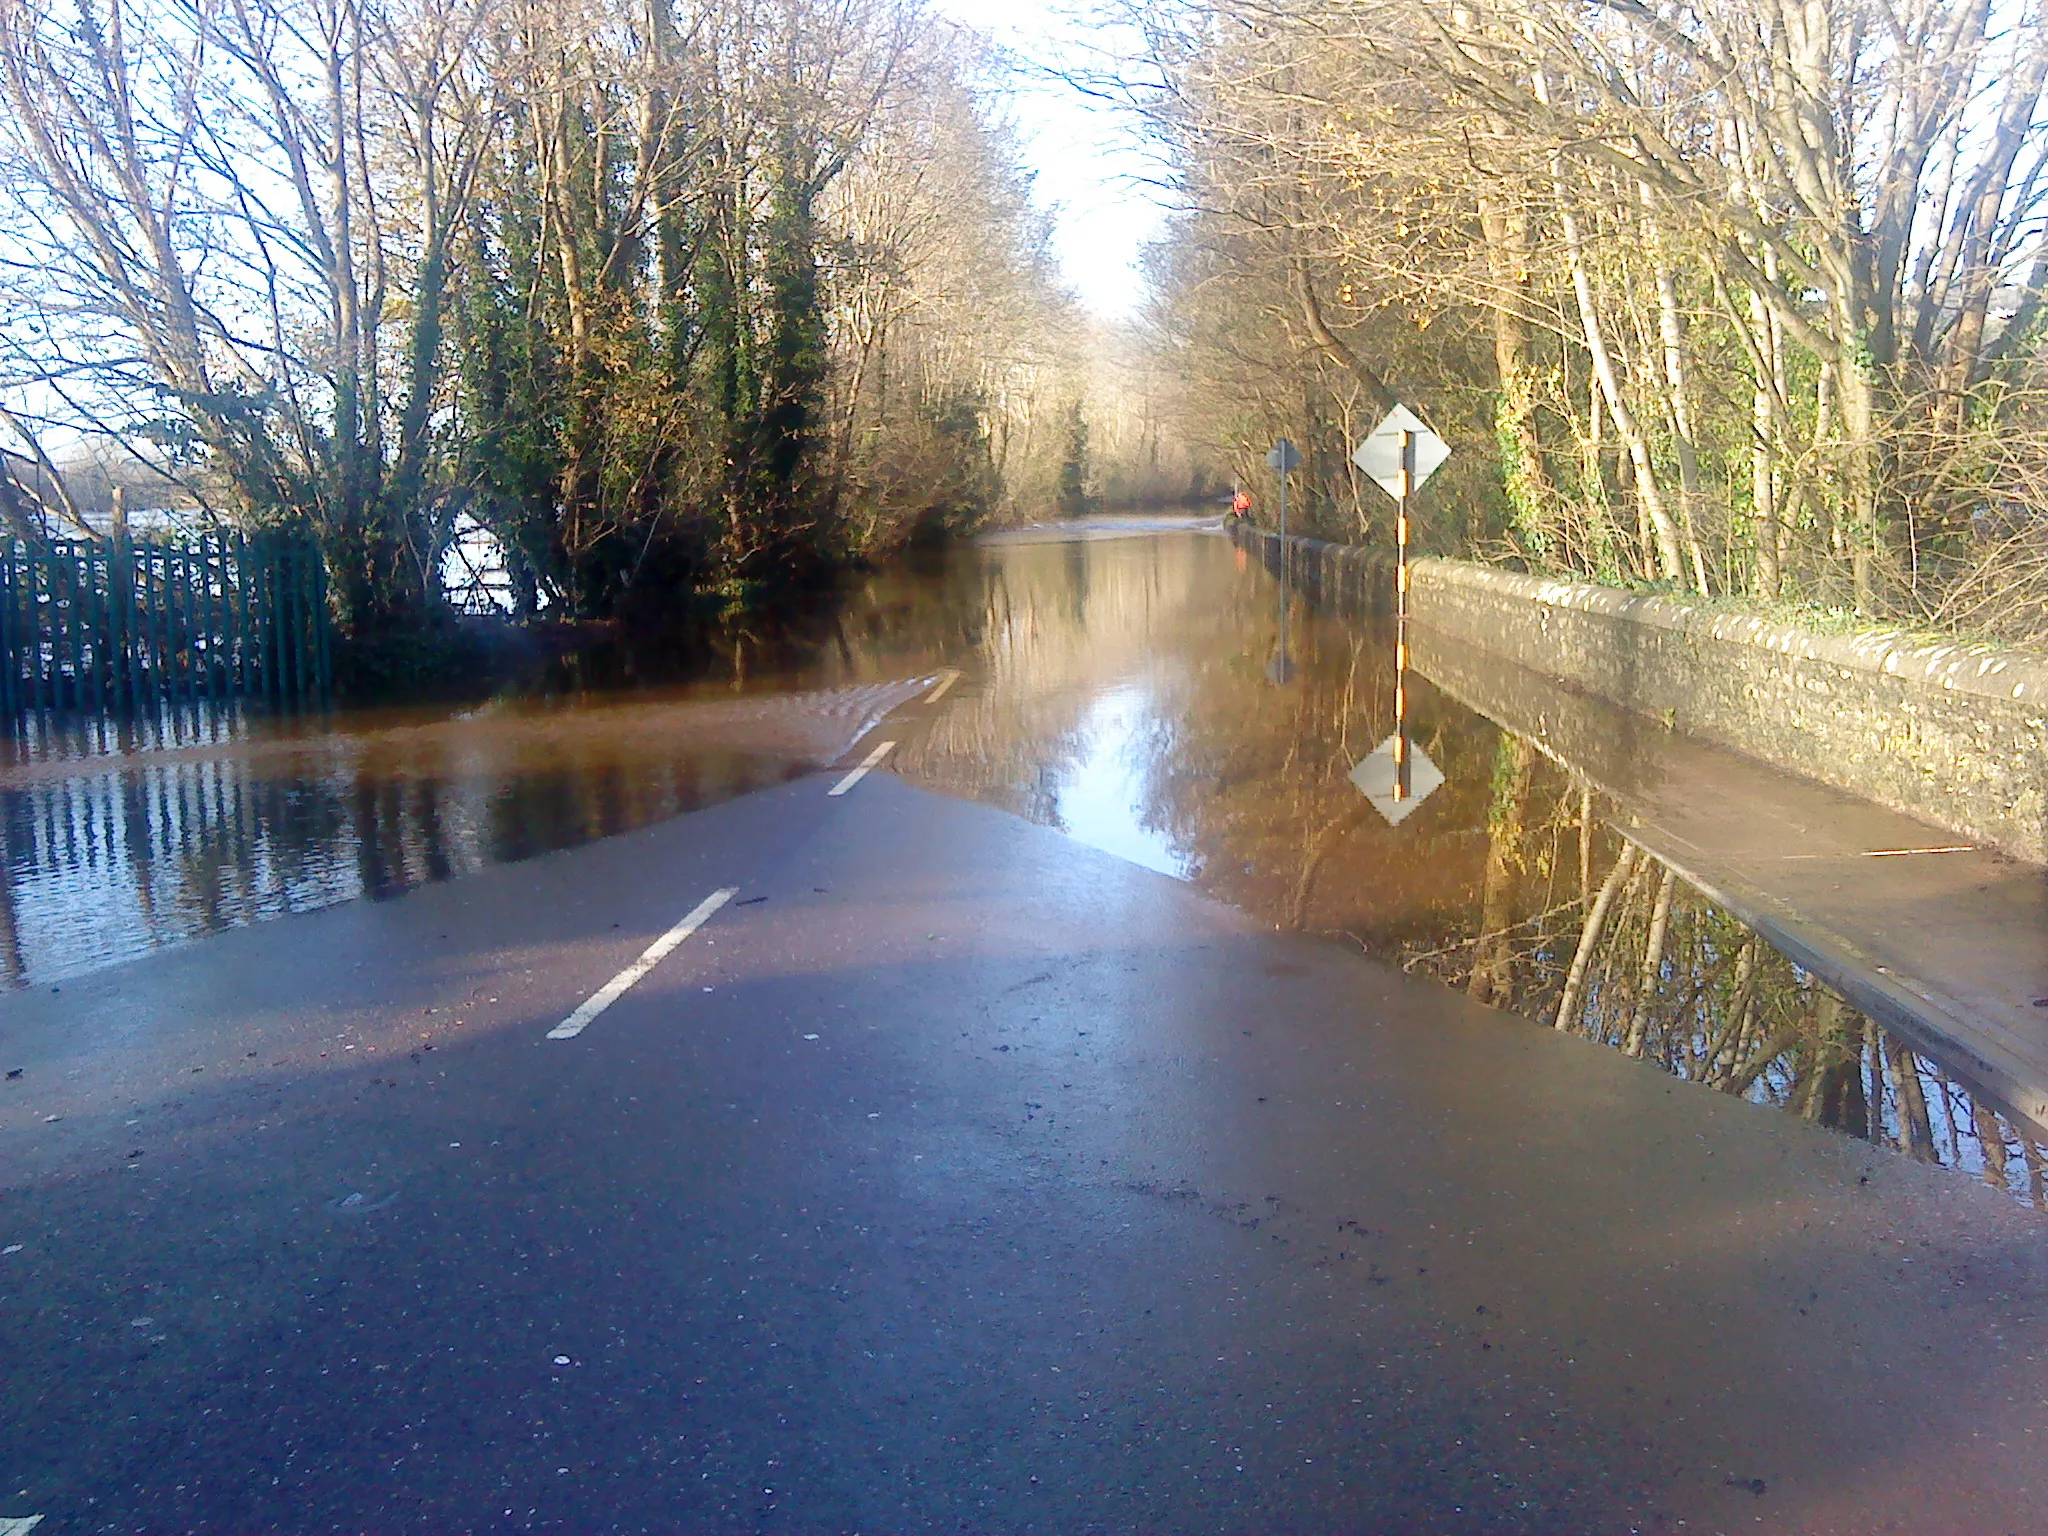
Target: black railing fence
column 123, row 624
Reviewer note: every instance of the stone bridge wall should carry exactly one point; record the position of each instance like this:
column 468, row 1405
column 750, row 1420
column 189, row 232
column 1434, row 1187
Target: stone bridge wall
column 1954, row 734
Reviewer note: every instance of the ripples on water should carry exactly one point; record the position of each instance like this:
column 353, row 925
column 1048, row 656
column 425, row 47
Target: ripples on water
column 1116, row 687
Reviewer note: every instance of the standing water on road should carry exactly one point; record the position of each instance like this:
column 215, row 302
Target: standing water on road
column 1118, row 685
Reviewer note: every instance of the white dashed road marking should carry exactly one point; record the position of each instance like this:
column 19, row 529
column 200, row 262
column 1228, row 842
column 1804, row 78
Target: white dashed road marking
column 870, row 761
column 616, row 988
column 946, row 680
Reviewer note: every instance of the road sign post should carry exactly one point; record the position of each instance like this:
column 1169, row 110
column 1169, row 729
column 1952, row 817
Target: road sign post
column 1399, row 455
column 1285, row 458
column 1403, row 781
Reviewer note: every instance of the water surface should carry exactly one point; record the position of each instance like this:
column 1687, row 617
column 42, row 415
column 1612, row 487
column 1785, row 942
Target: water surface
column 1119, row 686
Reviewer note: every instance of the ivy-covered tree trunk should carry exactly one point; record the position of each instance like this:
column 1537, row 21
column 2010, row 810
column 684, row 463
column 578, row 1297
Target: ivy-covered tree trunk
column 1073, row 481
column 778, row 524
column 1493, row 956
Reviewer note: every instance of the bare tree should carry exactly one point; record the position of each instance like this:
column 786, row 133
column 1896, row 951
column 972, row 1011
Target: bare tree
column 1762, row 281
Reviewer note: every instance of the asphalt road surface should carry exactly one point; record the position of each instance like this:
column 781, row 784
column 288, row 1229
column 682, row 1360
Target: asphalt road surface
column 951, row 1176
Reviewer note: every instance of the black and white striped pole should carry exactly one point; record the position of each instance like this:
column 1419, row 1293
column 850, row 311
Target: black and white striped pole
column 1399, row 455
column 1403, row 778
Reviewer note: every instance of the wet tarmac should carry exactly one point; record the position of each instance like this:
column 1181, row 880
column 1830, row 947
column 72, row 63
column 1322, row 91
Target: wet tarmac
column 957, row 1174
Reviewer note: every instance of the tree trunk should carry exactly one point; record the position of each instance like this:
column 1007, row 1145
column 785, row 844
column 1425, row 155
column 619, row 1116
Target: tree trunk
column 1320, row 849
column 1977, row 265
column 1766, row 444
column 1836, row 1098
column 1856, row 391
column 1333, row 345
column 1741, row 1002
column 1589, row 937
column 1916, row 1130
column 1585, row 842
column 1652, row 967
column 1781, row 1039
column 1493, row 962
column 1671, row 336
column 1990, row 1137
column 1525, row 472
column 1670, row 562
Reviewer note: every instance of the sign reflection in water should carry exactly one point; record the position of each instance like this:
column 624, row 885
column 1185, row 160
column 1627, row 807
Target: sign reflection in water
column 1486, row 886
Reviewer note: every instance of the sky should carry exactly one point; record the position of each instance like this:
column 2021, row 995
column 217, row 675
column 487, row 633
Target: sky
column 1082, row 153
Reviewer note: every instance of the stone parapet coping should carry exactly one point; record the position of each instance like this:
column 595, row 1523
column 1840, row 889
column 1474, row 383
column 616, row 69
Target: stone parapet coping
column 1991, row 672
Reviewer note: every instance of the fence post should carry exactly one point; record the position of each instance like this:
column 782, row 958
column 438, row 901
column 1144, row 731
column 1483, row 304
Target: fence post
column 173, row 620
column 114, row 625
column 216, row 615
column 308, row 668
column 188, row 633
column 10, row 664
column 288, row 628
column 38, row 676
column 63, row 635
column 96, row 632
column 118, row 681
column 76, row 570
column 60, row 627
column 239, row 655
column 202, row 621
column 323, row 619
column 147, row 602
column 274, row 584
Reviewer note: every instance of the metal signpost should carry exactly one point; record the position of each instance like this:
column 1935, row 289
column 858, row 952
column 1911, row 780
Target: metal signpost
column 1399, row 455
column 1285, row 459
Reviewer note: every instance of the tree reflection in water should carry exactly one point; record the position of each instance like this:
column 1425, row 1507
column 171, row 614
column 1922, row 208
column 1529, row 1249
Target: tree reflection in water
column 1597, row 937
column 1489, row 887
column 1114, row 687
column 117, row 837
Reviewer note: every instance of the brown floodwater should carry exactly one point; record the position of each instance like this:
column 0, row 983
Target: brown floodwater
column 1118, row 682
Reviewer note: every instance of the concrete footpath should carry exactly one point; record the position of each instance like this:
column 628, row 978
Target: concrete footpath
column 951, row 1176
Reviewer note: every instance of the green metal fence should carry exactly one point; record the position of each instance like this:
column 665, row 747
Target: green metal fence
column 117, row 625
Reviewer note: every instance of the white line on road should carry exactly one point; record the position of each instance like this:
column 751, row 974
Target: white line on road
column 616, row 988
column 946, row 680
column 870, row 761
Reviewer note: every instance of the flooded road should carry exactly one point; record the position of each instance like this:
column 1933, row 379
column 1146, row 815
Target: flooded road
column 855, row 1154
column 1117, row 686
